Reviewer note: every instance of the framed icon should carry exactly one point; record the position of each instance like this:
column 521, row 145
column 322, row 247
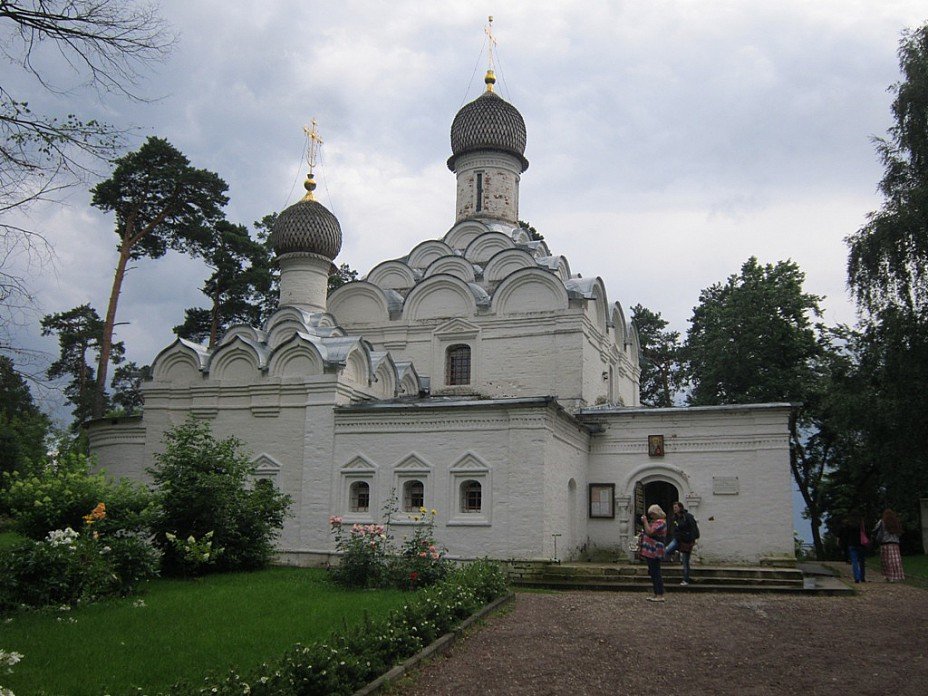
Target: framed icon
column 655, row 445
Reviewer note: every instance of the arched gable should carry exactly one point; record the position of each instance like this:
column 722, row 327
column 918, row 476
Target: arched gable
column 239, row 360
column 182, row 362
column 633, row 344
column 537, row 249
column 504, row 262
column 359, row 302
column 619, row 325
column 452, row 265
column 558, row 264
column 463, row 233
column 529, row 290
column 423, row 254
column 440, row 296
column 482, row 248
column 245, row 331
column 358, row 365
column 284, row 323
column 385, row 375
column 392, row 275
column 296, row 357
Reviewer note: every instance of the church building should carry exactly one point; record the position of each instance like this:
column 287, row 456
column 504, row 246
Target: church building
column 477, row 374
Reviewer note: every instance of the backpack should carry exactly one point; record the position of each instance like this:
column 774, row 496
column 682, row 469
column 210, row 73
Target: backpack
column 695, row 526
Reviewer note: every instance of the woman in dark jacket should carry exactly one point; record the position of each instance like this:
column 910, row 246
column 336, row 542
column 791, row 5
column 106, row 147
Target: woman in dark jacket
column 854, row 548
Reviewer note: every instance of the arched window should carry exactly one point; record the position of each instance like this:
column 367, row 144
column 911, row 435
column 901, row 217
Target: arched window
column 360, row 496
column 413, row 496
column 471, row 498
column 457, row 365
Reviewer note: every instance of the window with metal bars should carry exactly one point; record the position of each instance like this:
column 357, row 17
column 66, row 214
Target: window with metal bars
column 360, row 496
column 457, row 365
column 471, row 498
column 413, row 496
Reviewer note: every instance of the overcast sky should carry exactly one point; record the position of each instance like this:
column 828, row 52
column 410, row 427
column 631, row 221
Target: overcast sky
column 668, row 141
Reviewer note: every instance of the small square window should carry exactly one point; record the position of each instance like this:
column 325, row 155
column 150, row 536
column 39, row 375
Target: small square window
column 457, row 365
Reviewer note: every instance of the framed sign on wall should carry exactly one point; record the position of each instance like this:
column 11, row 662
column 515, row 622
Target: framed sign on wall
column 602, row 500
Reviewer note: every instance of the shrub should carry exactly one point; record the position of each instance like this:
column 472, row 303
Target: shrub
column 345, row 662
column 363, row 551
column 61, row 492
column 69, row 567
column 203, row 485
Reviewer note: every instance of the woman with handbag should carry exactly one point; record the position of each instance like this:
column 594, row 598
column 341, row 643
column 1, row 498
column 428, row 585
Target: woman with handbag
column 652, row 547
column 886, row 534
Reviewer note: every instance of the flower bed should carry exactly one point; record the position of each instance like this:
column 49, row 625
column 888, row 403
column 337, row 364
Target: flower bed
column 348, row 661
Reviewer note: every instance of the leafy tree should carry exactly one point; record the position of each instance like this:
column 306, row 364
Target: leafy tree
column 660, row 358
column 161, row 202
column 343, row 274
column 241, row 279
column 106, row 43
column 533, row 234
column 751, row 340
column 888, row 275
column 80, row 333
column 127, row 388
column 23, row 427
column 204, row 490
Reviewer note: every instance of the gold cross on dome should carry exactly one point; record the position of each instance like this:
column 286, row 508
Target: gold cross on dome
column 312, row 146
column 491, row 40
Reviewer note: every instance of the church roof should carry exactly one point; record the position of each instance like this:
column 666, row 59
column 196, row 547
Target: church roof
column 488, row 123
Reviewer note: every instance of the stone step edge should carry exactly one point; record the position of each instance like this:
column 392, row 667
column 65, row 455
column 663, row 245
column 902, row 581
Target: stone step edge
column 697, row 588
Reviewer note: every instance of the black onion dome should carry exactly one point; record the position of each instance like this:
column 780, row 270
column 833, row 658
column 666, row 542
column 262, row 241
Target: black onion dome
column 488, row 123
column 308, row 227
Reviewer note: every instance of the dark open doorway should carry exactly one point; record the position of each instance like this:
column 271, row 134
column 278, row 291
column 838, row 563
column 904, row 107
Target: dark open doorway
column 661, row 493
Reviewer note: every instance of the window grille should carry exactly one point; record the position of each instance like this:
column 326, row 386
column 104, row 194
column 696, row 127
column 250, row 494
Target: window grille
column 457, row 366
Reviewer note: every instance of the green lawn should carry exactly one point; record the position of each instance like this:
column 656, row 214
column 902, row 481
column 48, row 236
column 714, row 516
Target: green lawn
column 915, row 567
column 7, row 539
column 185, row 630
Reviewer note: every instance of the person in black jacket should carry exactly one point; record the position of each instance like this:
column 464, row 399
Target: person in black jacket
column 684, row 536
column 855, row 550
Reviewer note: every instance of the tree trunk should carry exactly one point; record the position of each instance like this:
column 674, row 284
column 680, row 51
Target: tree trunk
column 214, row 321
column 106, row 343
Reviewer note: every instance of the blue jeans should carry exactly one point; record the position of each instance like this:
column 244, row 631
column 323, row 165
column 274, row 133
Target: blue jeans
column 858, row 556
column 654, row 570
column 685, row 557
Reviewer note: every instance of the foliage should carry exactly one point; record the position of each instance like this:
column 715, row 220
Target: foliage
column 60, row 493
column 69, row 567
column 241, row 277
column 80, row 332
column 203, row 486
column 23, row 427
column 195, row 552
column 182, row 629
column 105, row 43
column 752, row 340
column 343, row 274
column 350, row 659
column 888, row 275
column 660, row 358
column 127, row 388
column 160, row 202
column 369, row 557
column 533, row 234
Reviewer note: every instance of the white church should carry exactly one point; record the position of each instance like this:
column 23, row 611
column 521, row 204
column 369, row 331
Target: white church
column 477, row 374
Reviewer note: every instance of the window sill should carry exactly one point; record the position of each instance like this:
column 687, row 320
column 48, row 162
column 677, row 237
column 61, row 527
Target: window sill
column 467, row 522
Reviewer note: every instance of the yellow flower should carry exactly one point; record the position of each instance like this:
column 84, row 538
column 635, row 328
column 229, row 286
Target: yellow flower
column 434, row 512
column 423, row 510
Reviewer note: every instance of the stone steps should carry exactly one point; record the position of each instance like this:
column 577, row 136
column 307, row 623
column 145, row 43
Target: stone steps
column 634, row 577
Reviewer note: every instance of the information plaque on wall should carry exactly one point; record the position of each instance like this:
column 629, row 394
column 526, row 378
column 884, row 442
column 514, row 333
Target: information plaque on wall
column 725, row 485
column 602, row 499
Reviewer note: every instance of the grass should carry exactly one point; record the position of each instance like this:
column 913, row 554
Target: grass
column 185, row 630
column 915, row 568
column 8, row 539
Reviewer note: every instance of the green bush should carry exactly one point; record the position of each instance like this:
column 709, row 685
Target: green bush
column 61, row 492
column 203, row 485
column 67, row 567
column 344, row 663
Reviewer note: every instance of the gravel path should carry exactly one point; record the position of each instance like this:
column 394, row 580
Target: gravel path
column 617, row 643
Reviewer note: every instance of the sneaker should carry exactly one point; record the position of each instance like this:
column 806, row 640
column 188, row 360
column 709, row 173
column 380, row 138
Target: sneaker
column 684, row 583
column 656, row 599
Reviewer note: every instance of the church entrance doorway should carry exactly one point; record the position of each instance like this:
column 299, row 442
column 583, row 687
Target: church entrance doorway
column 661, row 493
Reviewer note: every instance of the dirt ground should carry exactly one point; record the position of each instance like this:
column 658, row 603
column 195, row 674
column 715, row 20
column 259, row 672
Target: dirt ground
column 618, row 643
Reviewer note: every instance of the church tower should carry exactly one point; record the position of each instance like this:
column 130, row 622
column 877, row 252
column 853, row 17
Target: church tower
column 306, row 238
column 488, row 155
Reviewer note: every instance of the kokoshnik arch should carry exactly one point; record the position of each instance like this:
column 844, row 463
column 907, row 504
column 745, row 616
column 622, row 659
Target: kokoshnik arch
column 478, row 375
